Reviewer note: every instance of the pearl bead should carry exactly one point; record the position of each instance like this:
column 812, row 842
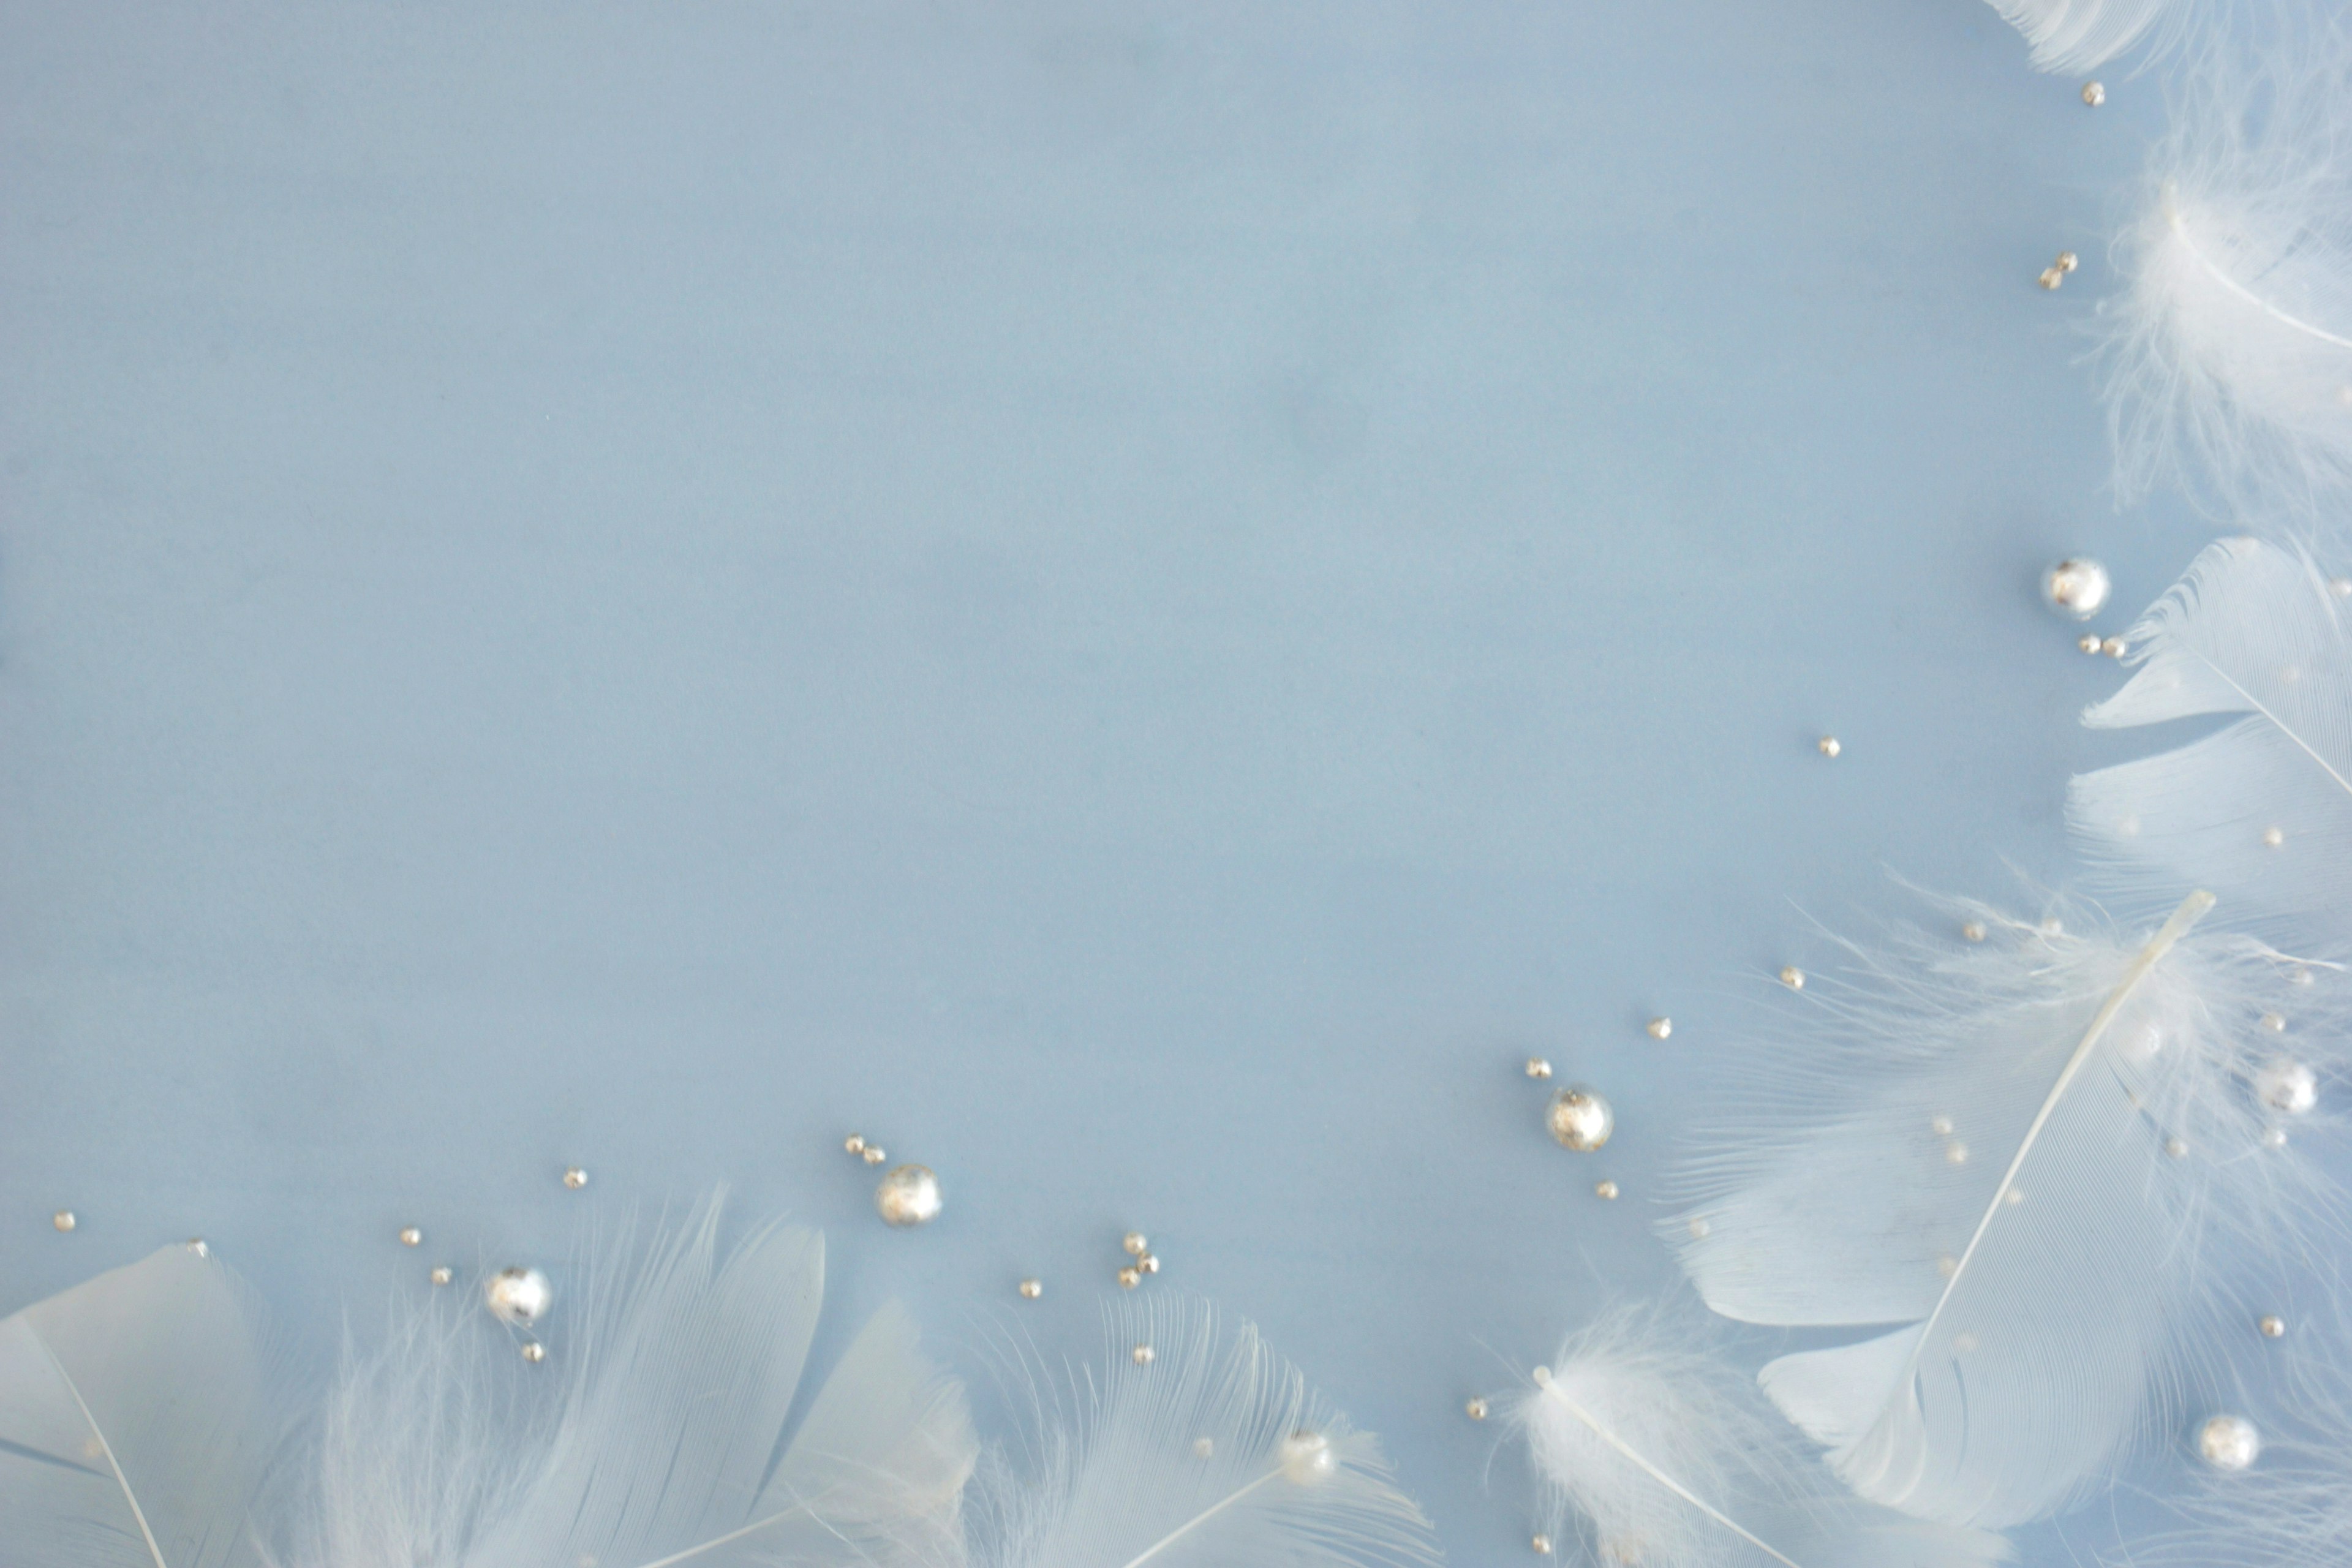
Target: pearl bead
column 2275, row 1022
column 1031, row 1288
column 1973, row 932
column 533, row 1352
column 1306, row 1458
column 2272, row 1326
column 2274, row 1138
column 2274, row 837
column 519, row 1297
column 1941, row 1126
column 1660, row 1028
column 442, row 1275
column 2067, row 262
column 1699, row 1228
column 1540, row 1377
column 2089, row 642
column 1129, row 1278
column 1580, row 1118
column 1539, row 1067
column 855, row 1143
column 2051, row 278
column 2176, row 1146
column 1135, row 1244
column 1142, row 1355
column 2287, row 1085
column 411, row 1237
column 1956, row 1152
column 1604, row 1189
column 908, row 1195
column 1828, row 745
column 576, row 1178
column 2094, row 93
column 1542, row 1543
column 2114, row 648
column 1148, row 1263
column 873, row 1154
column 2229, row 1442
column 64, row 1220
column 1476, row 1409
column 1793, row 978
column 1205, row 1447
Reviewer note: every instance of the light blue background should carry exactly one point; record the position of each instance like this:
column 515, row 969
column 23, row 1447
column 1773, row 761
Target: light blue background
column 1134, row 600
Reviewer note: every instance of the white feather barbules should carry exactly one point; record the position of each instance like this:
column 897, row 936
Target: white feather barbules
column 134, row 1424
column 2260, row 812
column 661, row 1446
column 1664, row 1454
column 2076, row 35
column 2228, row 348
column 2112, row 1203
column 1211, row 1453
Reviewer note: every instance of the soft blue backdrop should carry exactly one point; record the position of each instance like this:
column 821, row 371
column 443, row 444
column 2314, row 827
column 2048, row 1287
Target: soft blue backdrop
column 1135, row 600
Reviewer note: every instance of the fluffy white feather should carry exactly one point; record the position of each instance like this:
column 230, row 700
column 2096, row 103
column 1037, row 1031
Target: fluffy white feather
column 2253, row 633
column 2227, row 345
column 2042, row 1154
column 664, row 1439
column 1666, row 1457
column 2076, row 35
column 134, row 1425
column 1212, row 1455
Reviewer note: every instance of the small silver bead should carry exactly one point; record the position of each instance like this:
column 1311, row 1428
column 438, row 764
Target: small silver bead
column 1956, row 1152
column 1135, row 1244
column 1973, row 932
column 533, row 1352
column 576, row 1178
column 65, row 1220
column 1793, row 978
column 1148, row 1263
column 875, row 1154
column 1699, row 1228
column 1142, row 1355
column 1947, row 1265
column 1828, row 746
column 1129, row 1278
column 855, row 1143
column 1660, row 1028
column 2288, row 1086
column 2114, row 648
column 1308, row 1459
column 1580, row 1118
column 2089, row 642
column 2275, row 1022
column 1476, row 1409
column 442, row 1274
column 2176, row 1147
column 2272, row 1326
column 1031, row 1288
column 1941, row 1126
column 2094, row 94
column 1539, row 1067
column 2051, row 278
column 2229, row 1442
column 2067, row 262
column 1542, row 1543
column 2274, row 1138
column 909, row 1195
column 2273, row 837
column 200, row 1246
column 1604, row 1189
column 411, row 1237
column 519, row 1297
column 1205, row 1447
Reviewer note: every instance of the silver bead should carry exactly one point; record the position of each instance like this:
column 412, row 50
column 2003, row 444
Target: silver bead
column 908, row 1195
column 1793, row 977
column 442, row 1274
column 2176, row 1147
column 519, row 1297
column 2094, row 94
column 1148, row 1263
column 875, row 1154
column 2273, row 1137
column 1973, row 932
column 533, row 1352
column 1661, row 1027
column 855, row 1143
column 576, row 1178
column 2272, row 1326
column 1699, row 1228
column 1828, row 746
column 411, row 1237
column 1941, row 1126
column 2273, row 837
column 2287, row 1085
column 200, row 1246
column 2051, row 278
column 1476, row 1409
column 1031, row 1288
column 1135, row 1244
column 2114, row 648
column 64, row 1220
column 2275, row 1022
column 1205, row 1447
column 1306, row 1458
column 1142, row 1355
column 2229, row 1442
column 1580, row 1118
column 1956, row 1152
column 2067, row 262
column 1129, row 1278
column 1604, row 1189
column 2089, row 642
column 1539, row 1067
column 1542, row 1543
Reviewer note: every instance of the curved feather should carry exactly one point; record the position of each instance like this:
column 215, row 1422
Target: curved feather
column 1180, row 1463
column 2035, row 1162
column 2253, row 633
column 1659, row 1449
column 133, row 1424
column 659, row 1446
column 2076, row 35
column 2228, row 347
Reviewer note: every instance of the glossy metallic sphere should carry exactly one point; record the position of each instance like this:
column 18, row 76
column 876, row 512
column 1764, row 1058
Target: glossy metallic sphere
column 1306, row 1458
column 2228, row 1443
column 519, row 1297
column 908, row 1195
column 2076, row 587
column 2287, row 1085
column 1580, row 1118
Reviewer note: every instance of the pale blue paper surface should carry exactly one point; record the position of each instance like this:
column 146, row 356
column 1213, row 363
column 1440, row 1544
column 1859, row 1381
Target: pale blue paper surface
column 1135, row 601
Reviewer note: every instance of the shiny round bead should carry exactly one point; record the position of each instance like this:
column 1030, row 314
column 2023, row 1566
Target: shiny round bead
column 1941, row 1126
column 1828, row 746
column 2176, row 1147
column 2089, row 642
column 908, row 1195
column 2114, row 648
column 1539, row 1067
column 1031, row 1288
column 1660, row 1028
column 2275, row 1022
column 64, row 1220
column 1604, row 1189
column 2051, row 278
column 1129, row 1278
column 1973, row 931
column 1476, row 1409
column 873, row 1154
column 1135, row 1244
column 442, row 1274
column 2273, row 837
column 1306, row 1458
column 2228, row 1443
column 576, row 1178
column 519, row 1297
column 2287, row 1085
column 533, row 1352
column 1580, row 1118
column 1148, row 1263
column 1699, row 1228
column 1956, row 1152
column 1540, row 1377
column 855, row 1143
column 1205, row 1447
column 2273, row 1137
column 411, row 1237
column 2094, row 94
column 1542, row 1543
column 2067, row 262
column 1793, row 978
column 2272, row 1326
column 1142, row 1355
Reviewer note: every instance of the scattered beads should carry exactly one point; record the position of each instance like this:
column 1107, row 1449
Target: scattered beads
column 442, row 1274
column 855, row 1143
column 519, row 1297
column 1148, row 1263
column 2094, row 94
column 2114, row 648
column 533, row 1352
column 1828, row 745
column 2288, row 1086
column 1129, row 1278
column 64, row 1220
column 1660, row 1027
column 1135, row 1244
column 874, row 1155
column 1031, row 1288
column 2272, row 1326
column 1793, row 978
column 909, row 1195
column 1476, row 1409
column 2089, row 642
column 411, row 1237
column 576, row 1178
column 1141, row 1356
column 1539, row 1067
column 2055, row 273
column 1604, row 1189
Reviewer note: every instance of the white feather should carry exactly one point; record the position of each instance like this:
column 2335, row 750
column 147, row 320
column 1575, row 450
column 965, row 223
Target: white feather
column 1667, row 1457
column 2076, row 35
column 133, row 1421
column 1206, row 1457
column 2227, row 345
column 665, row 1439
column 2256, row 635
column 1977, row 1147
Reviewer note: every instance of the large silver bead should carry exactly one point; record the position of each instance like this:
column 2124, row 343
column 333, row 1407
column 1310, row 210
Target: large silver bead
column 908, row 1195
column 2228, row 1443
column 2077, row 587
column 1580, row 1118
column 519, row 1297
column 2287, row 1085
column 1306, row 1458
